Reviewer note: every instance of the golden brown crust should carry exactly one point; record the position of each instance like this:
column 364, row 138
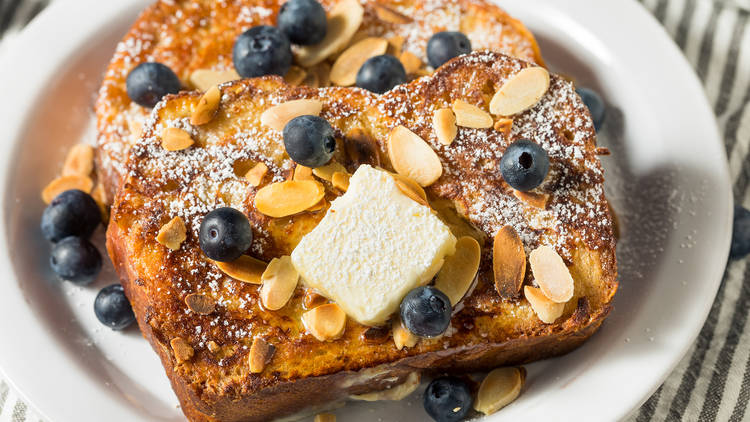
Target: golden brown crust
column 486, row 331
column 188, row 35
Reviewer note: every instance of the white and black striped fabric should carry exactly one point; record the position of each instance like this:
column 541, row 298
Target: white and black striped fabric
column 712, row 383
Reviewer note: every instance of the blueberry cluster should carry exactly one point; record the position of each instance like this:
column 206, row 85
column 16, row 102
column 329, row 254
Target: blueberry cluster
column 68, row 222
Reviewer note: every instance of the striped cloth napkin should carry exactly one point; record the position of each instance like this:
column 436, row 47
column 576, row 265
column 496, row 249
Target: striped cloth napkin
column 712, row 382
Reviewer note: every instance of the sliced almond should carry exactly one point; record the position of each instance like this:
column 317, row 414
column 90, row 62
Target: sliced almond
column 279, row 115
column 444, row 124
column 346, row 66
column 551, row 273
column 200, row 303
column 245, row 268
column 256, row 174
column 135, row 127
column 100, row 196
column 401, row 336
column 207, row 107
column 547, row 310
column 261, row 353
column 395, row 393
column 395, row 45
column 312, row 299
column 408, row 191
column 173, row 233
column 63, row 183
column 521, row 92
column 536, row 200
column 213, row 346
column 326, row 322
column 504, row 125
column 175, row 139
column 319, row 206
column 79, row 161
column 279, row 282
column 182, row 350
column 411, row 62
column 471, row 116
column 411, row 156
column 508, row 262
column 412, row 186
column 326, row 172
column 423, row 72
column 288, row 198
column 459, row 270
column 325, row 417
column 295, row 75
column 389, row 15
column 343, row 21
column 323, row 72
column 340, row 181
column 203, row 79
column 302, row 173
column 498, row 389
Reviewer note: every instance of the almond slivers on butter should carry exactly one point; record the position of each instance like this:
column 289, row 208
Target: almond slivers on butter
column 508, row 262
column 412, row 157
column 459, row 270
column 245, row 268
column 172, row 234
column 471, row 116
column 288, row 198
column 279, row 115
column 326, row 322
column 343, row 21
column 279, row 282
column 521, row 92
column 175, row 139
column 346, row 66
column 498, row 389
column 551, row 274
column 63, row 183
column 207, row 107
column 79, row 161
column 444, row 124
column 547, row 310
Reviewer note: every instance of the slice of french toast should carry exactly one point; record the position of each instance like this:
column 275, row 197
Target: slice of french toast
column 206, row 353
column 192, row 36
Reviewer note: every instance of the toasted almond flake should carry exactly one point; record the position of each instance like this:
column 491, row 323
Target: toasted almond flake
column 319, row 206
column 411, row 62
column 326, row 322
column 302, row 173
column 175, row 139
column 536, row 200
column 401, row 336
column 375, row 335
column 395, row 45
column 411, row 185
column 172, row 234
column 323, row 72
column 471, row 116
column 100, row 196
column 279, row 115
column 343, row 21
column 498, row 389
column 444, row 124
column 345, row 68
column 213, row 346
column 408, row 191
column 423, row 72
column 395, row 393
column 326, row 172
column 279, row 282
column 182, row 350
column 459, row 270
column 200, row 303
column 551, row 273
column 547, row 310
column 504, row 125
column 288, row 198
column 256, row 174
column 312, row 299
column 411, row 156
column 340, row 181
column 295, row 75
column 245, row 268
column 203, row 79
column 79, row 161
column 325, row 417
column 63, row 183
column 508, row 262
column 207, row 107
column 390, row 15
column 521, row 92
column 261, row 353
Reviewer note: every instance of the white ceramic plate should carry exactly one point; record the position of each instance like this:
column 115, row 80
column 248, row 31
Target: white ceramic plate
column 667, row 178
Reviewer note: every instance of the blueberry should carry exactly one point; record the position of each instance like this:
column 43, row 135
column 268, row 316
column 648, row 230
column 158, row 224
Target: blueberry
column 262, row 50
column 446, row 45
column 71, row 213
column 426, row 311
column 303, row 21
column 309, row 141
column 76, row 259
column 381, row 73
column 149, row 82
column 225, row 234
column 112, row 308
column 741, row 233
column 447, row 399
column 524, row 165
column 596, row 105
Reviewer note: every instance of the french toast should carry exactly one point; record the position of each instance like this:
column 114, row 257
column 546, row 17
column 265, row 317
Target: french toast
column 196, row 35
column 208, row 364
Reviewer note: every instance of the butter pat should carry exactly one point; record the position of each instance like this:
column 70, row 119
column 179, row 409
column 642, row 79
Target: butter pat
column 374, row 245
